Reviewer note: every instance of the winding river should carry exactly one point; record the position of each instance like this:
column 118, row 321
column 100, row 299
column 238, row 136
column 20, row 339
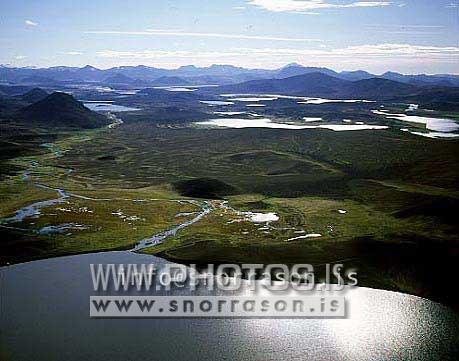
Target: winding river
column 159, row 238
column 33, row 210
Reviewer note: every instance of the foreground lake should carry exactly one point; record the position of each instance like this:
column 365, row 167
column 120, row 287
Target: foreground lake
column 45, row 305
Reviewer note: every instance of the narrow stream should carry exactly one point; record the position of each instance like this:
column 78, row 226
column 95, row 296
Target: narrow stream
column 33, row 210
column 160, row 237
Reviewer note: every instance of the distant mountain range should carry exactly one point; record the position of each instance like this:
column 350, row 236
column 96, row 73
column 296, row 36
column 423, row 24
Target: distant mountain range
column 326, row 86
column 322, row 85
column 431, row 92
column 216, row 74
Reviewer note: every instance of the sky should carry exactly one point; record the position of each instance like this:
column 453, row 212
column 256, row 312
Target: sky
column 408, row 36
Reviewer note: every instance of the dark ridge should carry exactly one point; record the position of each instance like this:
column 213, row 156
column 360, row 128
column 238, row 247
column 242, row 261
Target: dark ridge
column 204, row 188
column 107, row 157
column 442, row 208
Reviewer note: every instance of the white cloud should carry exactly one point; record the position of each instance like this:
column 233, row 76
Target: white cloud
column 404, row 26
column 308, row 5
column 160, row 32
column 361, row 51
column 73, row 53
column 20, row 57
column 405, row 29
column 153, row 54
column 376, row 58
column 369, row 51
column 30, row 23
column 407, row 32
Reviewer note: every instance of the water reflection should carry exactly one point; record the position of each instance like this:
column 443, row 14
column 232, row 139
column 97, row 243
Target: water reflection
column 45, row 306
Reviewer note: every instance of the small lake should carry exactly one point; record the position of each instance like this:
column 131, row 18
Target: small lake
column 300, row 99
column 104, row 106
column 437, row 127
column 325, row 101
column 176, row 89
column 229, row 113
column 267, row 123
column 45, row 316
column 253, row 99
column 215, row 102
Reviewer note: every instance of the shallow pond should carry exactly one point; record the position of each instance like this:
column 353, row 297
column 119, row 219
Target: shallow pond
column 108, row 107
column 267, row 123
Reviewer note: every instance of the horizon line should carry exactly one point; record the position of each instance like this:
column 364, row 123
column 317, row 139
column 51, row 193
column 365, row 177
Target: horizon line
column 9, row 66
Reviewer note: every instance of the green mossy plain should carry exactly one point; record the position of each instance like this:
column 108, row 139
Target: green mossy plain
column 398, row 190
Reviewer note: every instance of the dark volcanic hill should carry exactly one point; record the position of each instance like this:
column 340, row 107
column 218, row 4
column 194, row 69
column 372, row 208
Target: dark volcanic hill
column 34, row 95
column 61, row 110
